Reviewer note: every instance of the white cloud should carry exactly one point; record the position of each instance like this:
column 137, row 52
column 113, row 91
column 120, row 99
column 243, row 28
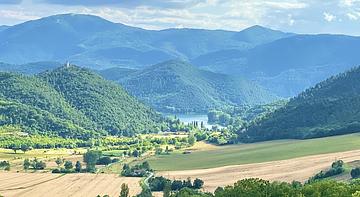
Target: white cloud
column 352, row 16
column 349, row 3
column 329, row 17
column 287, row 15
column 285, row 5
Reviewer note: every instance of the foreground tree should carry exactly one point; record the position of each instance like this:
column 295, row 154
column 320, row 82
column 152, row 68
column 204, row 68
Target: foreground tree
column 124, row 192
column 59, row 161
column 90, row 158
column 14, row 147
column 167, row 190
column 78, row 166
column 24, row 148
column 191, row 139
column 26, row 164
column 68, row 165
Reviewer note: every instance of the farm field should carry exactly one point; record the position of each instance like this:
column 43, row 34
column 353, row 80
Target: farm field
column 46, row 184
column 47, row 155
column 299, row 169
column 254, row 153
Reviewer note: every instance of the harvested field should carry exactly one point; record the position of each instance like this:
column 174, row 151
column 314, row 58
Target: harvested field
column 219, row 156
column 299, row 169
column 45, row 184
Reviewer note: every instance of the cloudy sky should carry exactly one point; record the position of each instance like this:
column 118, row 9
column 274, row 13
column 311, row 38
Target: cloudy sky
column 301, row 16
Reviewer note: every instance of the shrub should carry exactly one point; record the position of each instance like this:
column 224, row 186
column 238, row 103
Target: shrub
column 355, row 173
column 104, row 161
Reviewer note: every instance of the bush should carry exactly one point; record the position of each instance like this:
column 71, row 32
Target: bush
column 336, row 168
column 38, row 165
column 56, row 171
column 159, row 183
column 355, row 173
column 5, row 165
column 104, row 161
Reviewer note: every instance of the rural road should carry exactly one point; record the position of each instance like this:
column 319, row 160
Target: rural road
column 146, row 180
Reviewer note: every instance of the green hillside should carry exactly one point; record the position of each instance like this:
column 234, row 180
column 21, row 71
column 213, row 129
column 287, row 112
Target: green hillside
column 329, row 108
column 176, row 86
column 72, row 102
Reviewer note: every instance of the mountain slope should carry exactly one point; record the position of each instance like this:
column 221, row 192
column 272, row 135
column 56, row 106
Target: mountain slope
column 289, row 65
column 105, row 103
column 72, row 102
column 329, row 108
column 176, row 86
column 49, row 112
column 98, row 43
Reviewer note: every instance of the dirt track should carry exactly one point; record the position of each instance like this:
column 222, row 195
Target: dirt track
column 299, row 169
column 45, row 185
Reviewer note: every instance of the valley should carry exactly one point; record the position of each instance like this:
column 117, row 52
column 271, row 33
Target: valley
column 102, row 103
column 217, row 166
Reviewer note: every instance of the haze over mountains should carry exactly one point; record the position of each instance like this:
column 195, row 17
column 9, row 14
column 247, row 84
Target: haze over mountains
column 174, row 70
column 98, row 43
column 284, row 63
column 287, row 66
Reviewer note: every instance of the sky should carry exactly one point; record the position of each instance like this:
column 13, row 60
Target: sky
column 299, row 16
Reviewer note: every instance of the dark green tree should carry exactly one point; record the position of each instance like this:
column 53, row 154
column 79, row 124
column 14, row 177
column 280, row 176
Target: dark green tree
column 68, row 165
column 78, row 166
column 124, row 192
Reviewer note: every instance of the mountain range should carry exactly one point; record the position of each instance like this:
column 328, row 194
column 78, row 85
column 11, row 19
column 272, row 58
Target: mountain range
column 329, row 108
column 177, row 86
column 288, row 65
column 98, row 43
column 72, row 102
column 284, row 63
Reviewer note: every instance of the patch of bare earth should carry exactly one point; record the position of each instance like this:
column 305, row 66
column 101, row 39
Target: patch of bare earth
column 299, row 169
column 46, row 184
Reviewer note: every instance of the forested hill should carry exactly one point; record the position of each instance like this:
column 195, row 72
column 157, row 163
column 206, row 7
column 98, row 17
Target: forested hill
column 71, row 102
column 329, row 108
column 177, row 86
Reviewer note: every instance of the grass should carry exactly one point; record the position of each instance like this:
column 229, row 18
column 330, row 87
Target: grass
column 254, row 153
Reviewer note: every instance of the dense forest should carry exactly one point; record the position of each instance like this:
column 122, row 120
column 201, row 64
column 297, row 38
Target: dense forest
column 240, row 116
column 329, row 108
column 177, row 86
column 72, row 102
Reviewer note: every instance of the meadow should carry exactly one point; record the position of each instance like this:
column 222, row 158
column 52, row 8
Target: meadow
column 253, row 153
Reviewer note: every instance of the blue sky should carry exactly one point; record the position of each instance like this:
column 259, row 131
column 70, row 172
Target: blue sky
column 310, row 16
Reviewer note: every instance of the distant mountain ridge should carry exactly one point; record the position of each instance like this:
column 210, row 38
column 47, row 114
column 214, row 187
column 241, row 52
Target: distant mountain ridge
column 329, row 108
column 72, row 102
column 289, row 65
column 177, row 86
column 98, row 43
column 30, row 68
column 284, row 63
column 3, row 27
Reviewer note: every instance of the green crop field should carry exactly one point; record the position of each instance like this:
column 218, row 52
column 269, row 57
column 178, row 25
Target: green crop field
column 254, row 153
